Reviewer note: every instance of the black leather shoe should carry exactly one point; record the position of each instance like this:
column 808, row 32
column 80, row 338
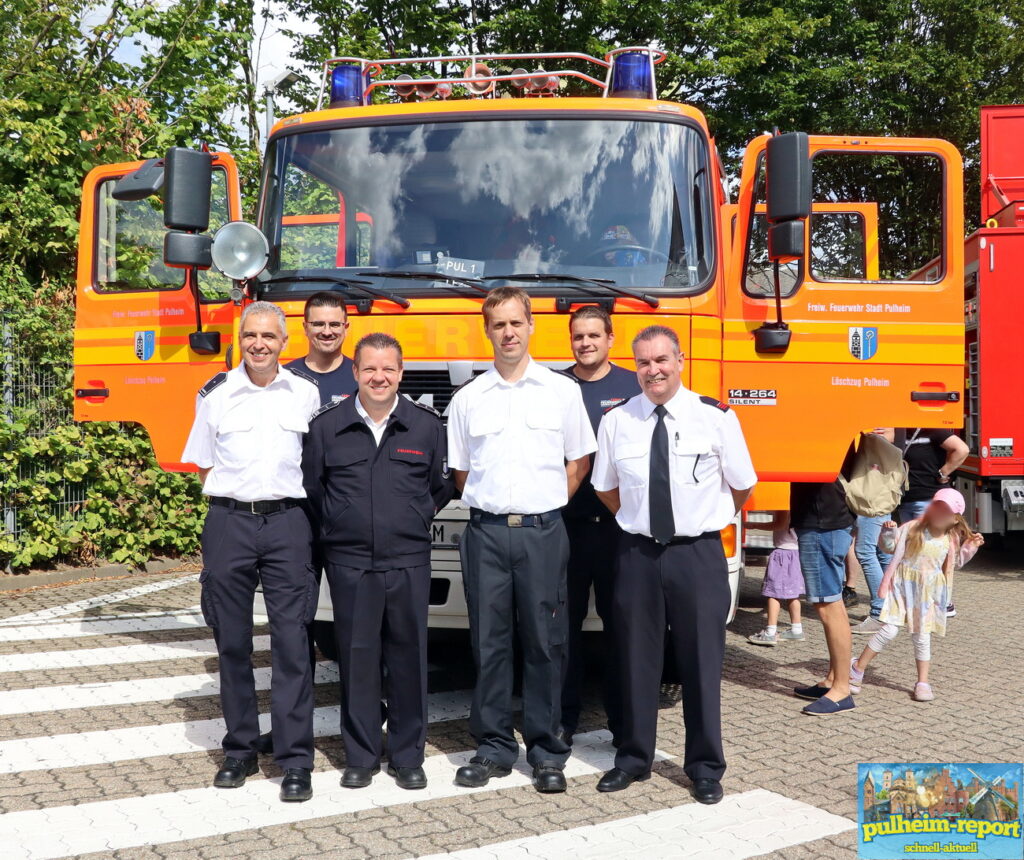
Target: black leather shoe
column 358, row 777
column 479, row 771
column 411, row 778
column 548, row 779
column 233, row 772
column 564, row 735
column 707, row 790
column 617, row 780
column 265, row 744
column 297, row 785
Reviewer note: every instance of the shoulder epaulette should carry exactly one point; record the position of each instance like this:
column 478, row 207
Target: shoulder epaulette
column 303, row 375
column 459, row 388
column 211, row 384
column 566, row 371
column 710, row 401
column 426, row 408
column 326, row 407
column 622, row 402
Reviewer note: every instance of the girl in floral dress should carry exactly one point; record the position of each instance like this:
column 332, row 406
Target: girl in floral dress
column 918, row 581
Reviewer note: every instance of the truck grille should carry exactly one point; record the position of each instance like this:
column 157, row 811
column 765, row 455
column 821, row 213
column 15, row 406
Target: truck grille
column 433, row 387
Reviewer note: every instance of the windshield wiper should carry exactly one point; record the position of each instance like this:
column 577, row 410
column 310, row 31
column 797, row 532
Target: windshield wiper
column 604, row 283
column 351, row 283
column 412, row 275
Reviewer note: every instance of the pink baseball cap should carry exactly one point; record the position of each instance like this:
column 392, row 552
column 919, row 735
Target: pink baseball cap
column 952, row 499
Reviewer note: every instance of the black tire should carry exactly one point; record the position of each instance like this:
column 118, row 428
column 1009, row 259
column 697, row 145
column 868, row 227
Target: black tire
column 323, row 638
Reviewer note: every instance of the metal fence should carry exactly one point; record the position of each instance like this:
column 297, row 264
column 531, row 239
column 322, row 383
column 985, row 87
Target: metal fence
column 34, row 397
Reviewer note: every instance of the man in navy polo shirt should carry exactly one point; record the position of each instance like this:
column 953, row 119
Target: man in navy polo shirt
column 593, row 532
column 325, row 322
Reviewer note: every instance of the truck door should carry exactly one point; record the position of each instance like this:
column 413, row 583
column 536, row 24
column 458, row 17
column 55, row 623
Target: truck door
column 875, row 305
column 134, row 314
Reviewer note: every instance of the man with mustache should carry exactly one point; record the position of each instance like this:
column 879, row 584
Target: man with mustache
column 519, row 442
column 375, row 472
column 247, row 442
column 674, row 469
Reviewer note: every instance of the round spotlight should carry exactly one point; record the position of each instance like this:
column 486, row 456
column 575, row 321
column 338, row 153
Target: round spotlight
column 240, row 250
column 522, row 79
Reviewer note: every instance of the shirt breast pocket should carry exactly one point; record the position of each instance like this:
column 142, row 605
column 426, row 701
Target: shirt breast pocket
column 410, row 471
column 236, row 440
column 633, row 464
column 293, row 422
column 696, row 460
column 347, row 470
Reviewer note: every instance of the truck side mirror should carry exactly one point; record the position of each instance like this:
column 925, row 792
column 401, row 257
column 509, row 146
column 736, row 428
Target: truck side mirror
column 188, row 179
column 204, row 342
column 788, row 169
column 187, row 250
column 786, row 241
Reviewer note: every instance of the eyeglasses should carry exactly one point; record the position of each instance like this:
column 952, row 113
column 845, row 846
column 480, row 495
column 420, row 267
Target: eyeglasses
column 334, row 325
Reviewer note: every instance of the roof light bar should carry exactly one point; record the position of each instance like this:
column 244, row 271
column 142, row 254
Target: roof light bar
column 628, row 71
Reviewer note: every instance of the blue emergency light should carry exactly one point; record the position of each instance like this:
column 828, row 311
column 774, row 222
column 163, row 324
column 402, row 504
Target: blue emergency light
column 347, row 85
column 632, row 76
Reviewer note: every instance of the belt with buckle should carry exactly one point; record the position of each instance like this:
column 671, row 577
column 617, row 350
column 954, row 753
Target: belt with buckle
column 270, row 506
column 515, row 521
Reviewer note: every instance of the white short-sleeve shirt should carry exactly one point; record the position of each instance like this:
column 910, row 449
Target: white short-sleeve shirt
column 250, row 436
column 708, row 458
column 514, row 439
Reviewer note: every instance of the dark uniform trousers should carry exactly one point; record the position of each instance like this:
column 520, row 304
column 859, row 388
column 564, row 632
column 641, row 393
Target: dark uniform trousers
column 515, row 576
column 684, row 585
column 382, row 614
column 241, row 549
column 593, row 544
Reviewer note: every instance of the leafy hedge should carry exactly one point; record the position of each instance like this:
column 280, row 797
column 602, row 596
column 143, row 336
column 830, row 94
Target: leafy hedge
column 132, row 509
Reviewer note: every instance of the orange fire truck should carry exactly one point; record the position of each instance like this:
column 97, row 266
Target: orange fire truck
column 820, row 292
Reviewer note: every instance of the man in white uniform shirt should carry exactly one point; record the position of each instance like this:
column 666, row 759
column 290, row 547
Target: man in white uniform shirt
column 674, row 469
column 518, row 444
column 247, row 442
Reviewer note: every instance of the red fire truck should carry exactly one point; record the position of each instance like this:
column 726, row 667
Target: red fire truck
column 992, row 478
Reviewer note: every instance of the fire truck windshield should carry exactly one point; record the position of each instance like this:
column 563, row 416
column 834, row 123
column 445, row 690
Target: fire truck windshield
column 624, row 200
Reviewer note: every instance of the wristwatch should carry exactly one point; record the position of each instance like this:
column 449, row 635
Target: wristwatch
column 943, row 477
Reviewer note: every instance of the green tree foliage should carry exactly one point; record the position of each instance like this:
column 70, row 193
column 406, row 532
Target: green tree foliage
column 84, row 83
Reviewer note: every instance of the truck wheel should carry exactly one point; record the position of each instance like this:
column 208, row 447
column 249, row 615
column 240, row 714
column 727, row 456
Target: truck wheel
column 323, row 637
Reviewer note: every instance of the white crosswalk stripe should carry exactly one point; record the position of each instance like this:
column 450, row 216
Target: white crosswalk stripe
column 75, row 750
column 194, row 813
column 190, row 619
column 742, row 825
column 100, row 600
column 117, row 655
column 66, row 697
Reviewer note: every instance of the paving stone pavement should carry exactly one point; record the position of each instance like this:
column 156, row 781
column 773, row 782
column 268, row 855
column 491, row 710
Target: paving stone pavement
column 129, row 779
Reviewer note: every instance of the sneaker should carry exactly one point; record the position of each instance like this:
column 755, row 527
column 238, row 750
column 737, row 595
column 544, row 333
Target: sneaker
column 868, row 625
column 950, row 611
column 790, row 636
column 923, row 692
column 856, row 677
column 763, row 637
column 849, row 596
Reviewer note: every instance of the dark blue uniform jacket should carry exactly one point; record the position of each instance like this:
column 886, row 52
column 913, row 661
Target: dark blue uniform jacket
column 372, row 506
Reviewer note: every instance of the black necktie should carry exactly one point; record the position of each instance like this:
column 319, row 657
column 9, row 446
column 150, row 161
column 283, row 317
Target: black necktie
column 663, row 527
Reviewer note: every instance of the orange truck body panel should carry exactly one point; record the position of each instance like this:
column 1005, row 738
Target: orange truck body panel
column 824, row 394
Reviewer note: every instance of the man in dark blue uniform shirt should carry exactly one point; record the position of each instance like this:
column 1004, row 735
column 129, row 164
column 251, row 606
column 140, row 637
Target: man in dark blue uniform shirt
column 593, row 532
column 375, row 471
column 325, row 322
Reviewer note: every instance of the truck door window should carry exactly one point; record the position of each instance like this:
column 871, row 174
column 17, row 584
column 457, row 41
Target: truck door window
column 130, row 243
column 838, row 252
column 759, row 277
column 906, row 192
column 312, row 224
